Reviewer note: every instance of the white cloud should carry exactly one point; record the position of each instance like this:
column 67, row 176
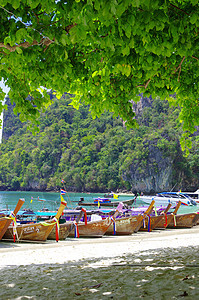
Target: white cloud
column 4, row 86
column 6, row 90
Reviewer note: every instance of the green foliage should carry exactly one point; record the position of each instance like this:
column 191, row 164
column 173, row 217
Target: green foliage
column 91, row 155
column 104, row 52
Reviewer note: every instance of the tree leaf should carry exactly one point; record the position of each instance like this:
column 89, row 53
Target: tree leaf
column 19, row 51
column 20, row 34
column 15, row 3
column 63, row 39
column 7, row 40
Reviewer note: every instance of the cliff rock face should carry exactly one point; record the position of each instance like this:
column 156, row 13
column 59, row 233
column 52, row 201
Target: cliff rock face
column 157, row 173
column 155, row 177
column 139, row 106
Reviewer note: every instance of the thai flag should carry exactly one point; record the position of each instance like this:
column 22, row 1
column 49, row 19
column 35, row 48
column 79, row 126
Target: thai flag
column 62, row 181
column 63, row 192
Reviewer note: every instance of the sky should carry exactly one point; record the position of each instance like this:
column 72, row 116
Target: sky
column 4, row 87
column 6, row 90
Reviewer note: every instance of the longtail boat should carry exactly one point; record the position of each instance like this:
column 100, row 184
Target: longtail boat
column 64, row 230
column 184, row 220
column 124, row 225
column 66, row 227
column 6, row 221
column 197, row 220
column 129, row 224
column 151, row 221
column 95, row 228
column 168, row 217
column 36, row 231
column 92, row 229
column 106, row 202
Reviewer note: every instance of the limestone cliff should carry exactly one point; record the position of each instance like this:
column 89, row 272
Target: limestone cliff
column 146, row 160
column 157, row 175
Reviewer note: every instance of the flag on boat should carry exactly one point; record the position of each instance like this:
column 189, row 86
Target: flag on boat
column 62, row 200
column 62, row 181
column 63, row 192
column 120, row 207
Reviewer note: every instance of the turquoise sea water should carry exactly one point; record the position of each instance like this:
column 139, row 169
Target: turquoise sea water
column 51, row 200
column 48, row 200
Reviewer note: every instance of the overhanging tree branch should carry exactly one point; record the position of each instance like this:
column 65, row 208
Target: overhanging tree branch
column 27, row 26
column 44, row 42
column 179, row 9
column 146, row 84
column 179, row 68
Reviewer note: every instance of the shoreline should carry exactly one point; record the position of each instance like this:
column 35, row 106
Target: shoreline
column 72, row 192
column 74, row 250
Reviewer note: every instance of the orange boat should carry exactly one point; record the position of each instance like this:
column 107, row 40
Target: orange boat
column 6, row 221
column 184, row 220
column 168, row 217
column 128, row 224
column 95, row 228
column 92, row 229
column 65, row 228
column 151, row 222
column 36, row 231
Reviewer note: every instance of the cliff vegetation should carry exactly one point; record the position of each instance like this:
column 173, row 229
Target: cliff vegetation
column 98, row 155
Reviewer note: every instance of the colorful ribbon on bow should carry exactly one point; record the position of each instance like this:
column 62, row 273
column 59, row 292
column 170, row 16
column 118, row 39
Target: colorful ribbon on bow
column 85, row 216
column 165, row 224
column 174, row 220
column 14, row 226
column 56, row 223
column 76, row 229
column 155, row 210
column 144, row 222
column 114, row 225
column 149, row 223
column 56, row 228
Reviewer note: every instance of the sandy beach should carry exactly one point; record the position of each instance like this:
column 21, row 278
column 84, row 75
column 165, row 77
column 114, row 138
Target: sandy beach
column 155, row 265
column 109, row 247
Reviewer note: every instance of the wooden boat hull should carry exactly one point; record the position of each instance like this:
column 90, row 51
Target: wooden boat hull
column 36, row 231
column 144, row 215
column 129, row 224
column 64, row 230
column 164, row 222
column 197, row 219
column 30, row 232
column 5, row 222
column 152, row 223
column 160, row 221
column 92, row 229
column 124, row 225
column 184, row 220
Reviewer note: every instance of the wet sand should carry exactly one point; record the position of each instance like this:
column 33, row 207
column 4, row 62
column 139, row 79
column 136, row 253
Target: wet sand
column 74, row 250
